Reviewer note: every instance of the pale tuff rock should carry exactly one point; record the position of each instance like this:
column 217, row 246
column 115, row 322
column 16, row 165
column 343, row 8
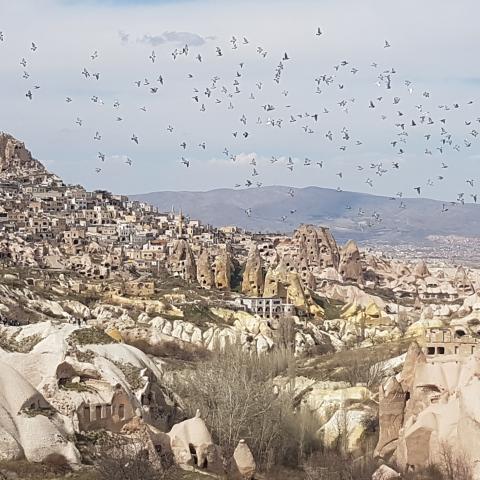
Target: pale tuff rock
column 462, row 282
column 440, row 394
column 116, row 383
column 192, row 445
column 244, row 461
column 283, row 281
column 350, row 266
column 15, row 159
column 253, row 281
column 30, row 428
column 392, row 400
column 346, row 428
column 205, row 276
column 181, row 261
column 318, row 246
column 385, row 473
column 223, row 270
column 421, row 269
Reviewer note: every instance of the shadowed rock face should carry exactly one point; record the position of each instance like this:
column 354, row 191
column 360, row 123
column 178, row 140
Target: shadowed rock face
column 223, row 271
column 15, row 159
column 204, row 270
column 350, row 266
column 317, row 246
column 182, row 261
column 253, row 282
column 421, row 269
column 430, row 410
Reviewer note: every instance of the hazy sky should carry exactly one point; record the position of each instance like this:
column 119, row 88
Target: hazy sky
column 434, row 45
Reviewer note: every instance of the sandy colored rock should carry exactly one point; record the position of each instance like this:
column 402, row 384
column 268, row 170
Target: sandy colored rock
column 350, row 266
column 253, row 281
column 244, row 461
column 385, row 473
column 223, row 270
column 181, row 261
column 204, row 270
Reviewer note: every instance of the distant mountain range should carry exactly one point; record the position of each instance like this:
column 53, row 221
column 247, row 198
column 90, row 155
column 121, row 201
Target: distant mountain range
column 350, row 215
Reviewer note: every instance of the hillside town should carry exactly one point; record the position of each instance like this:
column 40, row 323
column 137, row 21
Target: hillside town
column 104, row 301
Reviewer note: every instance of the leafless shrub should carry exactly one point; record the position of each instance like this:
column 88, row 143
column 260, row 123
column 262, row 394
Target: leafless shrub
column 123, row 458
column 235, row 395
column 330, row 464
column 367, row 370
column 453, row 464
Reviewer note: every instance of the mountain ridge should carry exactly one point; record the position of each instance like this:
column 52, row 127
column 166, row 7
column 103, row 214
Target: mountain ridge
column 361, row 216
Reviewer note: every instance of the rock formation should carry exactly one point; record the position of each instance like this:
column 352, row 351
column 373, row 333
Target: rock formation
column 421, row 269
column 181, row 261
column 204, row 270
column 253, row 281
column 245, row 465
column 15, row 159
column 223, row 271
column 440, row 395
column 318, row 246
column 192, row 444
column 350, row 266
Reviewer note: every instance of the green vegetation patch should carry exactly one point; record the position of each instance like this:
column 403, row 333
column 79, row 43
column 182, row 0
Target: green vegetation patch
column 132, row 375
column 90, row 336
column 11, row 344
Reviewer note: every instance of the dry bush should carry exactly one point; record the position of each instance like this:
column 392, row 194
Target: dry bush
column 330, row 464
column 367, row 370
column 122, row 458
column 235, row 395
column 453, row 465
column 170, row 349
column 90, row 336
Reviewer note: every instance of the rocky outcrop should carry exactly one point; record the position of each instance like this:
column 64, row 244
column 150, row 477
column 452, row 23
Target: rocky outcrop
column 284, row 281
column 181, row 261
column 30, row 428
column 253, row 282
column 350, row 266
column 385, row 473
column 204, row 270
column 440, row 413
column 244, row 463
column 223, row 270
column 16, row 160
column 192, row 445
column 317, row 246
column 392, row 399
column 421, row 269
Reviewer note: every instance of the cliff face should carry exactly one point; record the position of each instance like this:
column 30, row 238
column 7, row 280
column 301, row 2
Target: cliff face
column 432, row 408
column 15, row 160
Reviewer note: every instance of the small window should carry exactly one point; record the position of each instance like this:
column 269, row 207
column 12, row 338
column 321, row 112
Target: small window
column 431, row 351
column 121, row 412
column 441, row 350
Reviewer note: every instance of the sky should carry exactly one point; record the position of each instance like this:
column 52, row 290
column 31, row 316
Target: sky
column 431, row 62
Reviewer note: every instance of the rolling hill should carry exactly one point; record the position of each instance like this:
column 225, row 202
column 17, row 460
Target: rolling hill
column 350, row 215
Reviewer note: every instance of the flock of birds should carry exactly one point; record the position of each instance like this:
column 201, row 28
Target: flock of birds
column 408, row 111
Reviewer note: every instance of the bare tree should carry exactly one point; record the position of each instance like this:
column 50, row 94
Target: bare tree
column 234, row 392
column 367, row 370
column 454, row 464
column 129, row 458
